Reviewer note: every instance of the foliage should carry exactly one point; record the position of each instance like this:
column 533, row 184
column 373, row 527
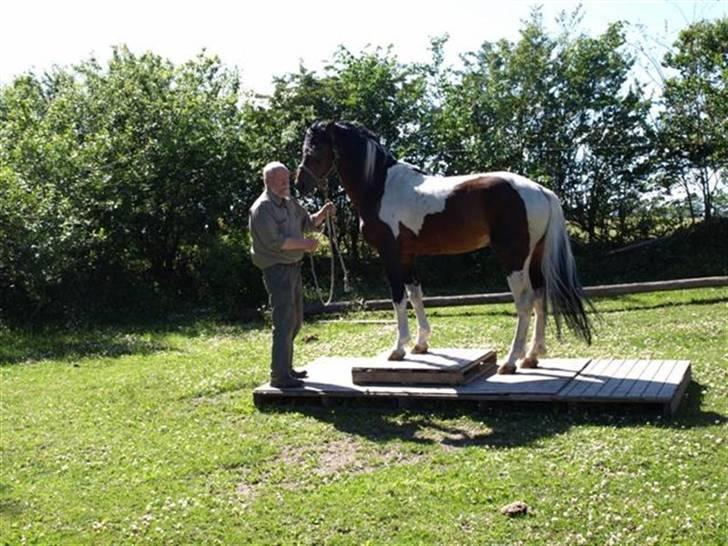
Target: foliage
column 559, row 110
column 127, row 186
column 693, row 126
column 123, row 172
column 147, row 434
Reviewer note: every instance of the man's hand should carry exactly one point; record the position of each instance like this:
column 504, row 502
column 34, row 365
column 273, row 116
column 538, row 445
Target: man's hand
column 329, row 209
column 311, row 245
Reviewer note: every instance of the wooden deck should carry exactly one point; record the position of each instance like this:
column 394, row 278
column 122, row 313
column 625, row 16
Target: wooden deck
column 658, row 383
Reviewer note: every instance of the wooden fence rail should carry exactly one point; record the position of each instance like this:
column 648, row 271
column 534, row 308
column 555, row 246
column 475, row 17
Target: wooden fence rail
column 505, row 297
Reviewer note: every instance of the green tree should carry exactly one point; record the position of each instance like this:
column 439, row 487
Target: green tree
column 693, row 123
column 128, row 173
column 559, row 110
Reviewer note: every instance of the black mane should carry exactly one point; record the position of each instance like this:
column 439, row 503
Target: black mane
column 362, row 135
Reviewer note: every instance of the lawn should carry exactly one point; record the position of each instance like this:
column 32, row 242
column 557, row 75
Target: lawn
column 147, row 434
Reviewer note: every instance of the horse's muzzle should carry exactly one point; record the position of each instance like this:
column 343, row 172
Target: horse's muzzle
column 305, row 181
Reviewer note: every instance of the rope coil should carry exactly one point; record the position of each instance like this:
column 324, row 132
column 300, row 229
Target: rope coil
column 334, row 247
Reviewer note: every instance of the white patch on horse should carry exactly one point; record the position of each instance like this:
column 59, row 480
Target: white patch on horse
column 409, row 196
column 535, row 201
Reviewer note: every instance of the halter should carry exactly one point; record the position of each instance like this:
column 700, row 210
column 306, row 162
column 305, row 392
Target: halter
column 320, row 180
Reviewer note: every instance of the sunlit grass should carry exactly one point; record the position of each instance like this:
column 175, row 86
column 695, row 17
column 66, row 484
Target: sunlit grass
column 148, row 434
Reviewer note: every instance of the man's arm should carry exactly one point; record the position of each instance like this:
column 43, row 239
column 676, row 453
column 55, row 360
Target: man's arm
column 329, row 209
column 300, row 244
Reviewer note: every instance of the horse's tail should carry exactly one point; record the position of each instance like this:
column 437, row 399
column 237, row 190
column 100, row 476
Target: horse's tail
column 564, row 294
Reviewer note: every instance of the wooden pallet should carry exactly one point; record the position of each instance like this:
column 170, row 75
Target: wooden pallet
column 437, row 367
column 659, row 383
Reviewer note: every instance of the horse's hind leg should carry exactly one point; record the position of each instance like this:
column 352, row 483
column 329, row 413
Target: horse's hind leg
column 523, row 296
column 538, row 342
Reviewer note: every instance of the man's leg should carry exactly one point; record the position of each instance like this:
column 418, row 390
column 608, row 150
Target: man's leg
column 279, row 282
column 298, row 316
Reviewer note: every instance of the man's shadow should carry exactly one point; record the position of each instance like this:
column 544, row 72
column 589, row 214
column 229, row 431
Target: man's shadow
column 496, row 425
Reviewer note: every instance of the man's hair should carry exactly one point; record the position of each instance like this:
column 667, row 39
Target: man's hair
column 272, row 166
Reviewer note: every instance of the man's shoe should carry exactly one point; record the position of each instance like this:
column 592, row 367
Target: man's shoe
column 288, row 383
column 299, row 374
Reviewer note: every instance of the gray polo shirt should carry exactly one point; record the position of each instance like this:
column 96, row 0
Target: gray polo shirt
column 272, row 220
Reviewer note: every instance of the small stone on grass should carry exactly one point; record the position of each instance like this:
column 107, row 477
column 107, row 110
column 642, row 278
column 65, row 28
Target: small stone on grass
column 517, row 508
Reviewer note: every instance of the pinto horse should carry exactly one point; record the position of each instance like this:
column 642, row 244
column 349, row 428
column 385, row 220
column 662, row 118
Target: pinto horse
column 405, row 213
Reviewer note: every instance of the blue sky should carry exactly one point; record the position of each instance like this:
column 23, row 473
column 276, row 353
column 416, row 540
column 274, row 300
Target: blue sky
column 271, row 37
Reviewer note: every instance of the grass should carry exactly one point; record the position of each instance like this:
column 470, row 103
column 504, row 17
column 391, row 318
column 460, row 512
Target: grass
column 148, row 435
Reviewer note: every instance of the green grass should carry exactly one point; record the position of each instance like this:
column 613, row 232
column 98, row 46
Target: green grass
column 148, row 435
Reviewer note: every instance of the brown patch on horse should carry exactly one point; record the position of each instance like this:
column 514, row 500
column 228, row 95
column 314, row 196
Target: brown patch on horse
column 482, row 211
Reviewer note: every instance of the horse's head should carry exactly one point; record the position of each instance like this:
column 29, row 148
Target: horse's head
column 318, row 158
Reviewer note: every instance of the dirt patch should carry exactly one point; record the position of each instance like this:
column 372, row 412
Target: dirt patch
column 455, row 436
column 341, row 455
column 326, row 461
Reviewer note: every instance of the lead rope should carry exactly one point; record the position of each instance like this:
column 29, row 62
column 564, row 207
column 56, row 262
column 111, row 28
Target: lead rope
column 334, row 247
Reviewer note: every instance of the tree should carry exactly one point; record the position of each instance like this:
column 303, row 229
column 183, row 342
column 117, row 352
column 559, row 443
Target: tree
column 693, row 123
column 125, row 172
column 560, row 111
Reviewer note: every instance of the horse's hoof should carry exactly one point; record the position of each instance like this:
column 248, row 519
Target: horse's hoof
column 529, row 362
column 397, row 354
column 420, row 349
column 506, row 369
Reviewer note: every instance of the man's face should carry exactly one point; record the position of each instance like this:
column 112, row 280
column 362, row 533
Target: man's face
column 277, row 181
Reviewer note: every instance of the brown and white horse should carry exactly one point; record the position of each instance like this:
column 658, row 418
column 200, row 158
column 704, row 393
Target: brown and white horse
column 405, row 213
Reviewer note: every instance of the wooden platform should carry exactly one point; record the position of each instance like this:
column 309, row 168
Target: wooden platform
column 435, row 368
column 658, row 383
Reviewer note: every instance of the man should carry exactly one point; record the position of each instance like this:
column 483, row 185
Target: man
column 277, row 225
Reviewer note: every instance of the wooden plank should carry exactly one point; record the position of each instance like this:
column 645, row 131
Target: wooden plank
column 671, row 408
column 506, row 297
column 663, row 372
column 645, row 379
column 616, row 375
column 673, row 380
column 590, row 380
column 630, row 380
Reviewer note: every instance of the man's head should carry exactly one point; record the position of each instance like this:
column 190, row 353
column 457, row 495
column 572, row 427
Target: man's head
column 276, row 178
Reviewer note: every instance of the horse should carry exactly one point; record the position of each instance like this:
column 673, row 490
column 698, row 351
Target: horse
column 405, row 213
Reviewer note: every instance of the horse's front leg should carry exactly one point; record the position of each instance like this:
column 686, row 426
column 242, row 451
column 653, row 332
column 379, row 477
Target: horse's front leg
column 394, row 274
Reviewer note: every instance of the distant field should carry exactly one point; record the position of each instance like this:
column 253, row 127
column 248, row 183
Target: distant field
column 148, row 435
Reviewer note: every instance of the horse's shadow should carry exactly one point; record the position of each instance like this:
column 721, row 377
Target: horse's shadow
column 499, row 425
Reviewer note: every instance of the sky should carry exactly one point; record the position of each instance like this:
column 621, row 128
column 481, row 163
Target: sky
column 267, row 38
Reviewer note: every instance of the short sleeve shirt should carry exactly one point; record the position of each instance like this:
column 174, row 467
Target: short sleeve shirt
column 272, row 220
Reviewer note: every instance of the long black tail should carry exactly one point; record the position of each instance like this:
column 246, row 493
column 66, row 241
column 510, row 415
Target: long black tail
column 564, row 293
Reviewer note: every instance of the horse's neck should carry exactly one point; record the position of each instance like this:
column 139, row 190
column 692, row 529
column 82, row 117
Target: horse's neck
column 353, row 187
column 364, row 189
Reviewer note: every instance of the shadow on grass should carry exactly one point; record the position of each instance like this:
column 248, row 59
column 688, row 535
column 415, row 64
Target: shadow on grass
column 497, row 425
column 8, row 505
column 23, row 345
